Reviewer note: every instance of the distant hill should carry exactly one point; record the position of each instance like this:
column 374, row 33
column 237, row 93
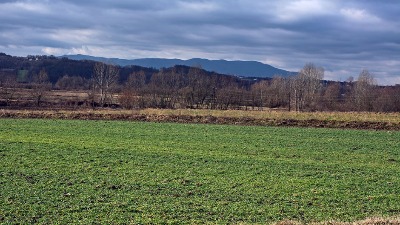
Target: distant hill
column 56, row 67
column 238, row 68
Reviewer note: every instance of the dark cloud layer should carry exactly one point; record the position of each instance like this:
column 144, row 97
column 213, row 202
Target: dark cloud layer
column 343, row 36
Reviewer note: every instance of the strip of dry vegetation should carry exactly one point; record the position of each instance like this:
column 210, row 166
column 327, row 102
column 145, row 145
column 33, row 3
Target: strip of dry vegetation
column 282, row 114
column 369, row 221
column 364, row 120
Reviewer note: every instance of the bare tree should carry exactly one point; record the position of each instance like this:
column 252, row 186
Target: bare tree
column 279, row 92
column 229, row 96
column 387, row 99
column 168, row 83
column 306, row 86
column 40, row 86
column 259, row 94
column 136, row 80
column 129, row 99
column 72, row 83
column 8, row 87
column 364, row 91
column 133, row 90
column 330, row 100
column 200, row 87
column 105, row 77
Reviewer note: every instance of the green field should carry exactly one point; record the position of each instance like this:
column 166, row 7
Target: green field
column 110, row 172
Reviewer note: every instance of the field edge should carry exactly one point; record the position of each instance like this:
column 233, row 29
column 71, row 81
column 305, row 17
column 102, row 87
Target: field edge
column 205, row 117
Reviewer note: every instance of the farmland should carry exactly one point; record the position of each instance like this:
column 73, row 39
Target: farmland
column 121, row 172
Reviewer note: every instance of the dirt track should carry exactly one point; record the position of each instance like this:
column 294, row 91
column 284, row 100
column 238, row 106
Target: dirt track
column 248, row 121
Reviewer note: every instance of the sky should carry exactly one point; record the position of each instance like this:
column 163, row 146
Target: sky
column 342, row 36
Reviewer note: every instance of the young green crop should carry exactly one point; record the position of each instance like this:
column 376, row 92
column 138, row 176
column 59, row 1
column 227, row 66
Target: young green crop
column 110, row 172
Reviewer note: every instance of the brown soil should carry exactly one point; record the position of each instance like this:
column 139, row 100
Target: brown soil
column 246, row 121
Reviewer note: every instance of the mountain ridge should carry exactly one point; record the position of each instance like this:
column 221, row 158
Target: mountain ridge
column 237, row 67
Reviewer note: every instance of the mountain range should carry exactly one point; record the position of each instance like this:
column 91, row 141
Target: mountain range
column 237, row 68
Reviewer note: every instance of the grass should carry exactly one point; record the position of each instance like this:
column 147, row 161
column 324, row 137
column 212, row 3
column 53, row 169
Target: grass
column 115, row 172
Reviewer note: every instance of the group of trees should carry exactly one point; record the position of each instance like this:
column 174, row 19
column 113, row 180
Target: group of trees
column 180, row 87
column 10, row 87
column 190, row 87
column 309, row 92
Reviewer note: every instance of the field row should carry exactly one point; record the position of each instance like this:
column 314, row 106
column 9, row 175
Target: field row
column 119, row 172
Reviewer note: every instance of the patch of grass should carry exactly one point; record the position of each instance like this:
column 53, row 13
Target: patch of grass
column 115, row 172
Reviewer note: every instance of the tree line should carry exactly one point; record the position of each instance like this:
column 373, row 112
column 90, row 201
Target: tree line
column 190, row 87
column 307, row 91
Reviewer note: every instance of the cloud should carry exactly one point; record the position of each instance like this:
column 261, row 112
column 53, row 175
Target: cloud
column 298, row 10
column 359, row 15
column 200, row 6
column 342, row 36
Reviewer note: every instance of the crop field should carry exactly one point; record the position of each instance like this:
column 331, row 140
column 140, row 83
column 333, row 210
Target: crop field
column 121, row 172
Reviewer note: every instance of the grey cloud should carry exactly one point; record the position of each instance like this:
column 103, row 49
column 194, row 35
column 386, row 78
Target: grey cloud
column 338, row 35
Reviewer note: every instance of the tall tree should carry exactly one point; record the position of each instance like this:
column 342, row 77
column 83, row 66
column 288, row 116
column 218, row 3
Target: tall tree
column 387, row 99
column 105, row 77
column 259, row 94
column 306, row 86
column 279, row 92
column 136, row 80
column 364, row 91
column 40, row 86
column 331, row 98
column 133, row 91
column 200, row 87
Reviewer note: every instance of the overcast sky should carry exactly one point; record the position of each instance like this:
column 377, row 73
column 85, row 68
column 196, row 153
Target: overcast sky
column 342, row 36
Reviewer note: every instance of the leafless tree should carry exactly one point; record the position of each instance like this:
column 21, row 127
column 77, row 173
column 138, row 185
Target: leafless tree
column 72, row 83
column 387, row 99
column 105, row 77
column 8, row 87
column 229, row 96
column 364, row 91
column 136, row 81
column 129, row 99
column 133, row 91
column 330, row 100
column 306, row 86
column 279, row 92
column 200, row 87
column 40, row 86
